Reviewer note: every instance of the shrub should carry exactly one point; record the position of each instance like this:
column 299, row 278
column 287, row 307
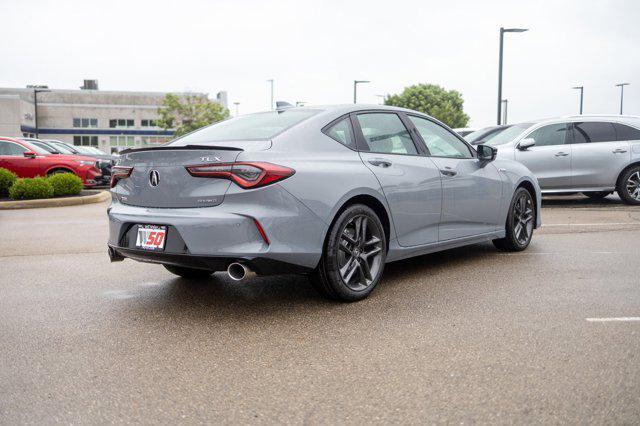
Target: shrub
column 30, row 189
column 7, row 178
column 65, row 184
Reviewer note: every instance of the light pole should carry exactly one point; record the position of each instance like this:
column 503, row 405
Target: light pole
column 271, row 81
column 581, row 95
column 504, row 116
column 355, row 88
column 236, row 104
column 37, row 90
column 621, row 86
column 502, row 31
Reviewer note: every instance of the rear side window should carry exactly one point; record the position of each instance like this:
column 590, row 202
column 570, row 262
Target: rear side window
column 384, row 133
column 593, row 131
column 553, row 134
column 259, row 126
column 13, row 149
column 626, row 133
column 341, row 131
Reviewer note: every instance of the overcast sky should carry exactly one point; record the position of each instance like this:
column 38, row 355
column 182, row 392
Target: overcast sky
column 315, row 49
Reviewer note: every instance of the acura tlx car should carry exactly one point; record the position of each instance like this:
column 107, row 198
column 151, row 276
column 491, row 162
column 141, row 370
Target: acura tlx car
column 334, row 192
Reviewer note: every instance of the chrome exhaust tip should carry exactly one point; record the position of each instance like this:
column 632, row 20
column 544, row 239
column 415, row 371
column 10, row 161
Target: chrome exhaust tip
column 238, row 271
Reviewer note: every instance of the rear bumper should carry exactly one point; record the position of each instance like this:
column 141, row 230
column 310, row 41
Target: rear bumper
column 212, row 237
column 260, row 265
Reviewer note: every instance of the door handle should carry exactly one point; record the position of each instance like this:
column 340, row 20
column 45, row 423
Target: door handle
column 619, row 151
column 380, row 163
column 561, row 154
column 448, row 172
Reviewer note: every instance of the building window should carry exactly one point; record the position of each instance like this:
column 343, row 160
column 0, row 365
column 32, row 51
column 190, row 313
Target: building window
column 85, row 140
column 148, row 123
column 120, row 122
column 121, row 141
column 154, row 140
column 85, row 122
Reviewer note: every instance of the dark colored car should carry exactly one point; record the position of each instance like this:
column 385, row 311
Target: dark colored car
column 479, row 136
column 28, row 160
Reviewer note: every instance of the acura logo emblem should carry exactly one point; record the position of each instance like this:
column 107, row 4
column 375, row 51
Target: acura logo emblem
column 154, row 178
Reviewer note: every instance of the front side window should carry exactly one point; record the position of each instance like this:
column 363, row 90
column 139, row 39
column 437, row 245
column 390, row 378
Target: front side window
column 12, row 149
column 341, row 131
column 593, row 131
column 385, row 133
column 439, row 141
column 553, row 134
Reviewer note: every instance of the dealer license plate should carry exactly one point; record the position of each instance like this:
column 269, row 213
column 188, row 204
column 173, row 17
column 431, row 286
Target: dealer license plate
column 151, row 237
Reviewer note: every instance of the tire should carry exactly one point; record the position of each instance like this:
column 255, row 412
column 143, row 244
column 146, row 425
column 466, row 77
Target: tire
column 516, row 239
column 597, row 195
column 189, row 273
column 59, row 171
column 629, row 186
column 353, row 257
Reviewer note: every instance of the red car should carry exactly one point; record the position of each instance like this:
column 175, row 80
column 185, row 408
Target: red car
column 27, row 160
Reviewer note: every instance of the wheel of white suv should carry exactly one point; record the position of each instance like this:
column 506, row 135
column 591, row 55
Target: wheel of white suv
column 629, row 186
column 521, row 220
column 354, row 256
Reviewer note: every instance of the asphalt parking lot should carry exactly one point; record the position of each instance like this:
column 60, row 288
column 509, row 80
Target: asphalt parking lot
column 465, row 336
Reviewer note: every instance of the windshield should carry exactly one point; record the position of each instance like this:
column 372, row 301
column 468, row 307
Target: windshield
column 479, row 134
column 46, row 147
column 264, row 125
column 62, row 148
column 35, row 148
column 506, row 135
column 96, row 151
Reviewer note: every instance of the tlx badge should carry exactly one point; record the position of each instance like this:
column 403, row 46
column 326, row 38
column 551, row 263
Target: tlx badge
column 209, row 159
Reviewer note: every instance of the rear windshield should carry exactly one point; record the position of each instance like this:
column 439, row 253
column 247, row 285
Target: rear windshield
column 264, row 125
column 506, row 135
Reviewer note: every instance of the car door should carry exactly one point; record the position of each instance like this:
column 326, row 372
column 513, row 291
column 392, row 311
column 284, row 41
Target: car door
column 12, row 158
column 471, row 189
column 598, row 154
column 550, row 158
column 410, row 181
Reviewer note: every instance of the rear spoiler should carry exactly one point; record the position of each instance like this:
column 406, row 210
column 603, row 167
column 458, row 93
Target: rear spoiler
column 174, row 148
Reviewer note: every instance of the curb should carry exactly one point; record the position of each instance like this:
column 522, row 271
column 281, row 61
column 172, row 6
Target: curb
column 56, row 202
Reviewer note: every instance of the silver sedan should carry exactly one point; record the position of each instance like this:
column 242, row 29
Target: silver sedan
column 334, row 192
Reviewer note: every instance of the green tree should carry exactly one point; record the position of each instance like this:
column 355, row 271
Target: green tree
column 188, row 113
column 445, row 105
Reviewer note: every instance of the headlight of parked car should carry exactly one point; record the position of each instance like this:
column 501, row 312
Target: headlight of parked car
column 87, row 163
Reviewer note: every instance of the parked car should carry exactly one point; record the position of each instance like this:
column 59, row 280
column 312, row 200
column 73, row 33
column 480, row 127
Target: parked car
column 464, row 131
column 334, row 192
column 595, row 155
column 106, row 160
column 478, row 136
column 29, row 160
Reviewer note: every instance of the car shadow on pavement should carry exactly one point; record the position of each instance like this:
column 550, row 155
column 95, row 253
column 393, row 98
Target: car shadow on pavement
column 220, row 299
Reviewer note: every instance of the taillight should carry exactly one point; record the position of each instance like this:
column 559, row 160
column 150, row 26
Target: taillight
column 246, row 175
column 119, row 172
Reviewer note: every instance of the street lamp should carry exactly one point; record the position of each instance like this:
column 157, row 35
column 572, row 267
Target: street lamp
column 355, row 88
column 36, row 90
column 236, row 104
column 581, row 95
column 502, row 31
column 271, row 81
column 621, row 86
column 504, row 116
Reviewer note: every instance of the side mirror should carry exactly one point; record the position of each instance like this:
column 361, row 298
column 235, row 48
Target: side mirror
column 486, row 152
column 29, row 154
column 526, row 144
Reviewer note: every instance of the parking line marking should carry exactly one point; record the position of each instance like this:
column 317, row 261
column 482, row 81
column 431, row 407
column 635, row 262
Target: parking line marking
column 620, row 319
